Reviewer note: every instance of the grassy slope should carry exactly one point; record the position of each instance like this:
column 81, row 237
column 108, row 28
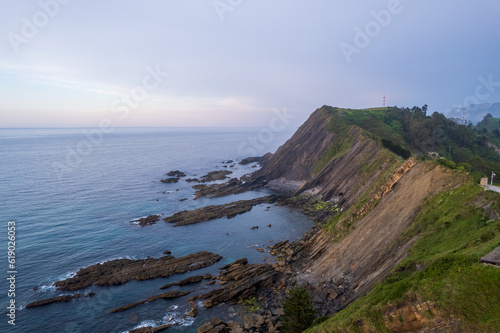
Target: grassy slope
column 454, row 234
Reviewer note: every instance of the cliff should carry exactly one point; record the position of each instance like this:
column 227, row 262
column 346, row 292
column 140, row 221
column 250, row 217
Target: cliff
column 330, row 163
column 386, row 220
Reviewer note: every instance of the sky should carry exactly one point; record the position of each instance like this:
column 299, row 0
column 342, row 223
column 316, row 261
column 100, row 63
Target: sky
column 75, row 63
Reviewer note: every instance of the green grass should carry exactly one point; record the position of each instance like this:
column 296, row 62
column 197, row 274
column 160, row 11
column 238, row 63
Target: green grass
column 453, row 236
column 339, row 148
column 374, row 120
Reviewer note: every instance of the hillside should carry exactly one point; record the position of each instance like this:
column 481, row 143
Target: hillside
column 411, row 232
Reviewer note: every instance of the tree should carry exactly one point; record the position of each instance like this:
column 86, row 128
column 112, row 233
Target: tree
column 299, row 310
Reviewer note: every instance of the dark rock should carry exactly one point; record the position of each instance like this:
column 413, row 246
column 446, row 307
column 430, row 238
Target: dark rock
column 260, row 160
column 242, row 282
column 236, row 263
column 206, row 327
column 189, row 280
column 260, row 250
column 215, row 175
column 229, row 210
column 59, row 299
column 170, row 180
column 183, row 199
column 167, row 252
column 120, row 271
column 190, row 180
column 232, row 186
column 176, row 173
column 216, row 321
column 254, row 227
column 218, row 329
column 148, row 220
column 167, row 295
column 193, row 312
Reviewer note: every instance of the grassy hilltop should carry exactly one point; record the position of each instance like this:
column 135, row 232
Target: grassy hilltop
column 441, row 278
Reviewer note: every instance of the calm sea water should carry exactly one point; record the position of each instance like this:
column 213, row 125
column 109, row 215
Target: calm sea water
column 72, row 211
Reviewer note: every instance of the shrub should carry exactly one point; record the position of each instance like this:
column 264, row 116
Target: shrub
column 447, row 163
column 299, row 310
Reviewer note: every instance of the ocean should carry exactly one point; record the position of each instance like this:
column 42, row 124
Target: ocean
column 72, row 194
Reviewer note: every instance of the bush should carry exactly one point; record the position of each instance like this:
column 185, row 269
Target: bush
column 447, row 163
column 396, row 149
column 464, row 166
column 299, row 310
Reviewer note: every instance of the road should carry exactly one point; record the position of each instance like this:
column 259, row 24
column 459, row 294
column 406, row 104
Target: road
column 493, row 188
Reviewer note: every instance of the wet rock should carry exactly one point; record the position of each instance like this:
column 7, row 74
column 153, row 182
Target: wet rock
column 232, row 186
column 190, row 180
column 254, row 227
column 148, row 220
column 167, row 295
column 193, row 312
column 215, row 175
column 260, row 250
column 170, row 180
column 183, row 199
column 206, row 327
column 260, row 159
column 167, row 252
column 176, row 173
column 242, row 282
column 150, row 329
column 59, row 299
column 236, row 263
column 229, row 210
column 188, row 280
column 120, row 271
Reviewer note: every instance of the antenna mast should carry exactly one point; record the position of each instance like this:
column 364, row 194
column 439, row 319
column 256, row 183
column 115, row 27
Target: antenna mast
column 384, row 100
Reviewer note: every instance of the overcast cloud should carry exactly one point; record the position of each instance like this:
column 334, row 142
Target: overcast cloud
column 232, row 62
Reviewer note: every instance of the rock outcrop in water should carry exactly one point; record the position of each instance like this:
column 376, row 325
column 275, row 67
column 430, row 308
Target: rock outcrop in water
column 229, row 210
column 167, row 295
column 120, row 271
column 215, row 175
column 59, row 299
column 240, row 280
column 145, row 221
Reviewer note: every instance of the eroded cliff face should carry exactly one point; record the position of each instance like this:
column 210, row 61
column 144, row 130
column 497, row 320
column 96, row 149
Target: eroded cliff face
column 351, row 168
column 336, row 167
column 375, row 243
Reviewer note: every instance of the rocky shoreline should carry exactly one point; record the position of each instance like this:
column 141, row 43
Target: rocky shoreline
column 266, row 283
column 120, row 271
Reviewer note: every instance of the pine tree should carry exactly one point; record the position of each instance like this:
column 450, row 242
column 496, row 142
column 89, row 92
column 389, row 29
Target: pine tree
column 299, row 310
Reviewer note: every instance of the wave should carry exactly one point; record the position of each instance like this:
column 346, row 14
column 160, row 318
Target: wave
column 171, row 317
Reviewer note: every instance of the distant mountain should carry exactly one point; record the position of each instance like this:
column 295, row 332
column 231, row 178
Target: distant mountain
column 475, row 112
